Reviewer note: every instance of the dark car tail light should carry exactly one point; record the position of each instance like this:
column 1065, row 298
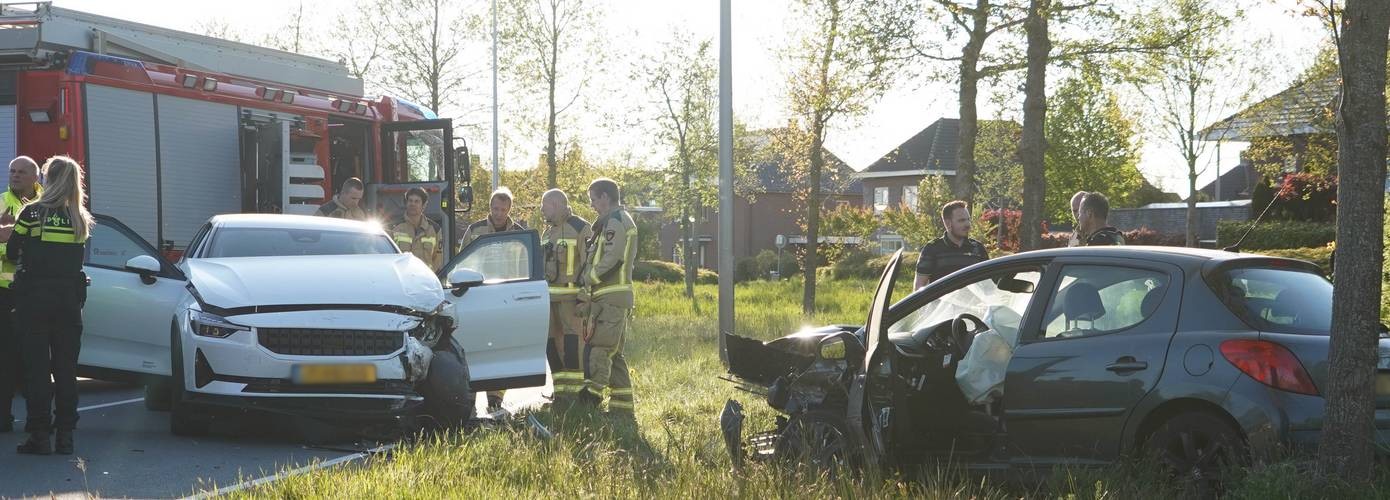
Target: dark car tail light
column 1269, row 363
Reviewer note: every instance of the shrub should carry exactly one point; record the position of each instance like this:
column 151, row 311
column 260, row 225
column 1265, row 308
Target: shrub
column 668, row 272
column 1012, row 219
column 1321, row 256
column 762, row 265
column 870, row 267
column 1271, row 234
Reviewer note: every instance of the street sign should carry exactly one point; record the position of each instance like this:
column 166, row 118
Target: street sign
column 781, row 241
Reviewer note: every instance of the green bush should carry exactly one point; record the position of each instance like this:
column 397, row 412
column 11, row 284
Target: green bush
column 1276, row 234
column 1317, row 255
column 656, row 271
column 870, row 267
column 761, row 266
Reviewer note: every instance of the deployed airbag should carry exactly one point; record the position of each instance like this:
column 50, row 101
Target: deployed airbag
column 980, row 374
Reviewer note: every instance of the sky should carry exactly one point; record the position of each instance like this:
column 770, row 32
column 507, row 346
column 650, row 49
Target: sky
column 635, row 27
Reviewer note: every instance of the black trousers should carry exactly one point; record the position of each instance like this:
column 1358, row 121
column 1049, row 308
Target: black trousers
column 48, row 315
column 11, row 372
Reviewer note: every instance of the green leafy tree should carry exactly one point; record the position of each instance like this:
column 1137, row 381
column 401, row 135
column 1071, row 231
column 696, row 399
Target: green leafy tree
column 551, row 47
column 1091, row 145
column 842, row 61
column 1194, row 83
column 682, row 81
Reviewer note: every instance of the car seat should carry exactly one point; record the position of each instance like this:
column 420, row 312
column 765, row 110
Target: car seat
column 1081, row 303
column 1151, row 302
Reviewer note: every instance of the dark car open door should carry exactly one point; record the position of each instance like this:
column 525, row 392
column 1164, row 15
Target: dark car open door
column 864, row 425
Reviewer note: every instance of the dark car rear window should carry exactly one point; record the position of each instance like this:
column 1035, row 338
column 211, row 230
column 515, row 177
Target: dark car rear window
column 1278, row 300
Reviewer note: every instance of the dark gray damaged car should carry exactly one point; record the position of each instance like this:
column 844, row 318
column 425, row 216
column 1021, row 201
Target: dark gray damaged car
column 1197, row 358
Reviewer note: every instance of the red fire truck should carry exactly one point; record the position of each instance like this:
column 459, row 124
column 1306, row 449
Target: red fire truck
column 175, row 127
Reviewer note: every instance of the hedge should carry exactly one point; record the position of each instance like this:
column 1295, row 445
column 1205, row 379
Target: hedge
column 1317, row 255
column 1271, row 234
column 669, row 272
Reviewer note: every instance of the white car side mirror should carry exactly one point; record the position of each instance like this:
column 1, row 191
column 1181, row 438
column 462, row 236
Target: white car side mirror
column 145, row 265
column 462, row 279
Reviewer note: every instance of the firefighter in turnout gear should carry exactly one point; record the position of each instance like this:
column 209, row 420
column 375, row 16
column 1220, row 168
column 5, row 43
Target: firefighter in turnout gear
column 347, row 204
column 564, row 244
column 607, row 291
column 24, row 189
column 499, row 219
column 48, row 244
column 417, row 234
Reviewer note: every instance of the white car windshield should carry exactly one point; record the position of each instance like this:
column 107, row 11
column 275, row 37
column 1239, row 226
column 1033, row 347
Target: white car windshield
column 275, row 242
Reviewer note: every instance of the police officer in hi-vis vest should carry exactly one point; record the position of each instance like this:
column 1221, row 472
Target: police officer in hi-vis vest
column 50, row 288
column 24, row 189
column 565, row 235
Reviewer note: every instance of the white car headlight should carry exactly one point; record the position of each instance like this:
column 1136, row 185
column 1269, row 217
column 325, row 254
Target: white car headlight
column 212, row 325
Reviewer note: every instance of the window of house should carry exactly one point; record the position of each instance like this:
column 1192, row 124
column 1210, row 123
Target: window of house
column 910, row 197
column 880, row 199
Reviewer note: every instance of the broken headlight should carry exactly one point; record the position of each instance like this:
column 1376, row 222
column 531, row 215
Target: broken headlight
column 431, row 329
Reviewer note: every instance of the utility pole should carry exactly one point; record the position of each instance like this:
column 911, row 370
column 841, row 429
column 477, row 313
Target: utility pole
column 726, row 182
column 496, row 173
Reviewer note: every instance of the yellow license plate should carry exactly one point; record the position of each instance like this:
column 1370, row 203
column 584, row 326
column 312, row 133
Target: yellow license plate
column 1383, row 384
column 335, row 374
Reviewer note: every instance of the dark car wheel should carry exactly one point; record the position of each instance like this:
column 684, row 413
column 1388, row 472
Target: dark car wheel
column 158, row 395
column 184, row 420
column 1198, row 449
column 819, row 440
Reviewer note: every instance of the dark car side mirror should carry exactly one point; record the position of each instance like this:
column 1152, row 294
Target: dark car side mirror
column 1015, row 285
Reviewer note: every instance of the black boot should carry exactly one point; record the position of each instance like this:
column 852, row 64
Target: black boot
column 62, row 443
column 37, row 444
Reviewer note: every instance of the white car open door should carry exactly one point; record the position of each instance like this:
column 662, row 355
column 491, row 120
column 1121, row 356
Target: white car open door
column 501, row 309
column 130, row 304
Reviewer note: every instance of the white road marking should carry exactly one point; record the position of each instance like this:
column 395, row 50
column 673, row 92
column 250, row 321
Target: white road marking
column 103, row 405
column 307, row 468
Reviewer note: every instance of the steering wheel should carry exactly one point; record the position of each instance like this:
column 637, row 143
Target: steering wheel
column 963, row 331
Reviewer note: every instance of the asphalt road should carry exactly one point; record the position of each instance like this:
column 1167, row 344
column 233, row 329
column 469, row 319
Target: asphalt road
column 124, row 450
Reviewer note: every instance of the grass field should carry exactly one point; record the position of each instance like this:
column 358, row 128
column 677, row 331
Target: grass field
column 674, row 450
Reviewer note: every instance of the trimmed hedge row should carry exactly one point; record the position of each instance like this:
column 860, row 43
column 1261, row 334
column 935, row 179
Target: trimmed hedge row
column 1276, row 234
column 1318, row 255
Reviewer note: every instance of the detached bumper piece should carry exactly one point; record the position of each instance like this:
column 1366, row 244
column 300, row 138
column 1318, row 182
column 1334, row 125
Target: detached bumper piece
column 760, row 447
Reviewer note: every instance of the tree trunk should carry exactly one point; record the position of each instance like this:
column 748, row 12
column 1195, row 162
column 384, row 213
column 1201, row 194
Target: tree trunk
column 1033, row 144
column 1347, row 439
column 551, row 162
column 1192, row 221
column 808, row 297
column 964, row 188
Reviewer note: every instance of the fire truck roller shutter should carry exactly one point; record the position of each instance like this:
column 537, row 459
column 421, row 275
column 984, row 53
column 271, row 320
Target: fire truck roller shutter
column 121, row 157
column 7, row 139
column 199, row 164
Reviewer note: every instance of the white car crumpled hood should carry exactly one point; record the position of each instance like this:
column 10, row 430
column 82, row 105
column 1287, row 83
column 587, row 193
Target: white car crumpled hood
column 394, row 279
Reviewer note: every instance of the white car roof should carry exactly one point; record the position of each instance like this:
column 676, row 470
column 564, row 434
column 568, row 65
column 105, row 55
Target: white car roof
column 294, row 222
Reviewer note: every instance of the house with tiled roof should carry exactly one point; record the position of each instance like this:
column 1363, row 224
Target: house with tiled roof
column 892, row 179
column 765, row 208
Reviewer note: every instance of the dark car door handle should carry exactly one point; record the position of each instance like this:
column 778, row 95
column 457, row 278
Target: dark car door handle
column 1127, row 364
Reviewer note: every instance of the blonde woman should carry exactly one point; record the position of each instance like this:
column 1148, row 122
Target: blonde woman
column 47, row 246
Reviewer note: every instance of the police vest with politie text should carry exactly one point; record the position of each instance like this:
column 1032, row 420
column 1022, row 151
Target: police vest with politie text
column 565, row 252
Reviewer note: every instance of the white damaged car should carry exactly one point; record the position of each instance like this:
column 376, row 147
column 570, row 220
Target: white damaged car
column 312, row 316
